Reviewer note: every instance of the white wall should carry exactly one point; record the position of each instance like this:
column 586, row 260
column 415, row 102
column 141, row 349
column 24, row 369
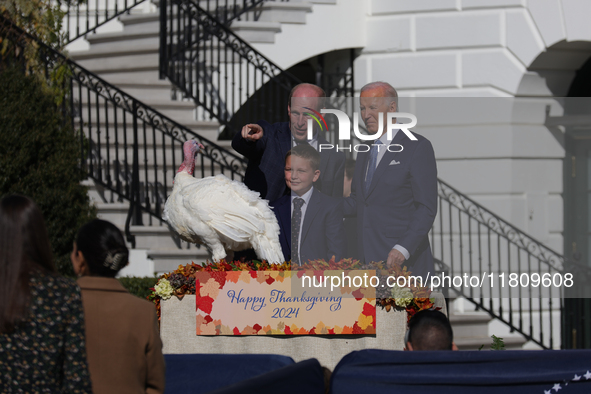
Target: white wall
column 486, row 48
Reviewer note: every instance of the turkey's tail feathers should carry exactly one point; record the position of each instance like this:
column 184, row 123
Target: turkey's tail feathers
column 267, row 244
column 268, row 249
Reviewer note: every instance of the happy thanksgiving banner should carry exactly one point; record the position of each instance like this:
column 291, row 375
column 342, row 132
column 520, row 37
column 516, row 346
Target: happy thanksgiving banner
column 261, row 303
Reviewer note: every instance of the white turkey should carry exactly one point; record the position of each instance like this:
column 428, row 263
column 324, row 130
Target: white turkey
column 222, row 214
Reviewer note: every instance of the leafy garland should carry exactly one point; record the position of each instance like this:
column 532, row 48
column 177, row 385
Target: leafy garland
column 181, row 281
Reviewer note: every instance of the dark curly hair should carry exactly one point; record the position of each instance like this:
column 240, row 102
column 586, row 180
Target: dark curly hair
column 103, row 247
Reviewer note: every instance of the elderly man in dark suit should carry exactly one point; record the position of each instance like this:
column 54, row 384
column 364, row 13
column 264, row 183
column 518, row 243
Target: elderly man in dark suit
column 265, row 146
column 394, row 194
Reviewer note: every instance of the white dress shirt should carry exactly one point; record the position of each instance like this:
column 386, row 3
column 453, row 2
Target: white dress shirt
column 313, row 142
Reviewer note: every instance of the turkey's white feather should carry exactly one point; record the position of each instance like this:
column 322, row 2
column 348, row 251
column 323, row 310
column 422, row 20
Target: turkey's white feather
column 224, row 215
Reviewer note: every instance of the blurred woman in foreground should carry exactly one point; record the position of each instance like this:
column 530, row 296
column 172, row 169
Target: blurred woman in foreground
column 42, row 346
column 122, row 335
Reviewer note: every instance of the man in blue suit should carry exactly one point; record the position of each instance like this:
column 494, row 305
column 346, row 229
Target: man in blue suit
column 393, row 194
column 265, row 146
column 311, row 222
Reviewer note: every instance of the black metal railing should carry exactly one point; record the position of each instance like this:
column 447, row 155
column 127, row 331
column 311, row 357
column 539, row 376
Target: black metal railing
column 133, row 151
column 126, row 146
column 576, row 323
column 82, row 17
column 472, row 240
column 226, row 11
column 229, row 80
column 466, row 237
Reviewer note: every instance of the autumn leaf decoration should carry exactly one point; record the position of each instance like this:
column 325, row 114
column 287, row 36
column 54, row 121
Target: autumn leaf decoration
column 183, row 282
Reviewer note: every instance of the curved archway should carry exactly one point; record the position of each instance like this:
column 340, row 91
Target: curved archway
column 552, row 72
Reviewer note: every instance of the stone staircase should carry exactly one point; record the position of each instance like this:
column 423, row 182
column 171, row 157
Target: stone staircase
column 129, row 60
column 270, row 16
column 472, row 329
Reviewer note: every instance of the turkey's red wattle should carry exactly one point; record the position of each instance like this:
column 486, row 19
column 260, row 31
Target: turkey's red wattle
column 188, row 164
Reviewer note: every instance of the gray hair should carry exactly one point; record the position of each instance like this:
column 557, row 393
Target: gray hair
column 386, row 87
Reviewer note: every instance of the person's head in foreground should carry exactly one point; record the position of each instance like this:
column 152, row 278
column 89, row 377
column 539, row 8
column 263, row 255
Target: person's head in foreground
column 301, row 169
column 429, row 330
column 24, row 248
column 113, row 316
column 99, row 250
column 41, row 316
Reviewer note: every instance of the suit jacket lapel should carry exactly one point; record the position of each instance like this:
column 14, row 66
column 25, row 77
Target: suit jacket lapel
column 311, row 211
column 385, row 162
column 285, row 140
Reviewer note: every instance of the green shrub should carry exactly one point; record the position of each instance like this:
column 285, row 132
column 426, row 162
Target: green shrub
column 139, row 286
column 39, row 155
column 498, row 343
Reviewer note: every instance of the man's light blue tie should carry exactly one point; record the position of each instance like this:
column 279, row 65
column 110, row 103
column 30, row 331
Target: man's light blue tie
column 373, row 161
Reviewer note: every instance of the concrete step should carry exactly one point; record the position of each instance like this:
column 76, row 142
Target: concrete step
column 95, row 193
column 290, row 12
column 116, row 49
column 120, row 63
column 133, row 76
column 471, row 330
column 104, row 40
column 142, row 59
column 470, row 324
column 256, row 32
column 140, row 23
column 99, row 195
column 149, row 101
column 115, row 213
column 152, row 140
column 181, row 111
column 160, row 181
column 161, row 186
column 149, row 155
column 156, row 237
column 474, row 328
column 169, row 260
column 125, row 49
column 157, row 90
column 119, row 151
column 474, row 343
column 205, row 129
